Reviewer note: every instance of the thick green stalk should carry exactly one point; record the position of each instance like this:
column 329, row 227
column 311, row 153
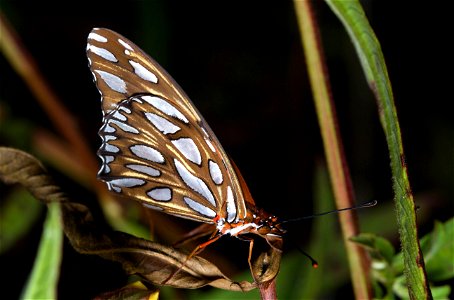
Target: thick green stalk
column 369, row 52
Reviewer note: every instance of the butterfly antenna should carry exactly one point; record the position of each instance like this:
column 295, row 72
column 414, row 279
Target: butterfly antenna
column 364, row 205
column 313, row 261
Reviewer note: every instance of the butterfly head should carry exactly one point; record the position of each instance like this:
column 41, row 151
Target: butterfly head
column 269, row 227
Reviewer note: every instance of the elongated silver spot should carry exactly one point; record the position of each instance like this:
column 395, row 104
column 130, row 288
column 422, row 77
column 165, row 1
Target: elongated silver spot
column 106, row 54
column 138, row 100
column 123, row 126
column 195, row 183
column 147, row 153
column 111, row 148
column 210, row 145
column 107, row 128
column 126, row 45
column 143, row 72
column 97, row 37
column 165, row 107
column 127, row 182
column 144, row 170
column 125, row 109
column 231, row 208
column 108, row 159
column 162, row 124
column 189, row 149
column 119, row 116
column 204, row 131
column 215, row 172
column 114, row 82
column 160, row 194
column 206, row 211
column 107, row 138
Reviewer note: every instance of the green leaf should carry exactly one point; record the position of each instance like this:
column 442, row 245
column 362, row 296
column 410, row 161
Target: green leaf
column 400, row 287
column 381, row 252
column 379, row 247
column 18, row 215
column 371, row 58
column 441, row 292
column 43, row 280
column 438, row 249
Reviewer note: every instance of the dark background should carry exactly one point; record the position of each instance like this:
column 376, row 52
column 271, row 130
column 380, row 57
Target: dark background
column 242, row 65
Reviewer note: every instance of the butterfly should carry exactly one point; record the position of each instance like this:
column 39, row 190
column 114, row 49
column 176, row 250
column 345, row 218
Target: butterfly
column 157, row 148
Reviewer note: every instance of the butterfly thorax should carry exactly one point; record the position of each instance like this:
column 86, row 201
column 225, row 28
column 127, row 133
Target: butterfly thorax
column 257, row 221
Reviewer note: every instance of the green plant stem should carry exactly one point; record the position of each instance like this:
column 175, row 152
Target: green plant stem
column 43, row 280
column 369, row 52
column 339, row 173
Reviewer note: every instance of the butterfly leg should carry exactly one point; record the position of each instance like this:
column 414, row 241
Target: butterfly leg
column 196, row 233
column 214, row 237
column 251, row 246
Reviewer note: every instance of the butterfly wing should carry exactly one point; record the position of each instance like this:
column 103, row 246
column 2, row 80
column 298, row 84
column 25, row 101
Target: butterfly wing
column 156, row 147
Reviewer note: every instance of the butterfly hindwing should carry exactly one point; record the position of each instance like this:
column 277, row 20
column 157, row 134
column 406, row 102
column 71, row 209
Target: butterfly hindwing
column 156, row 146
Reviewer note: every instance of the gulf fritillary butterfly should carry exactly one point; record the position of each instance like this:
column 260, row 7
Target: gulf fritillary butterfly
column 157, row 148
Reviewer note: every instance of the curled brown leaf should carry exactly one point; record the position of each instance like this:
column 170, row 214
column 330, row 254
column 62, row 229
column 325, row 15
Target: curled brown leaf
column 20, row 167
column 149, row 260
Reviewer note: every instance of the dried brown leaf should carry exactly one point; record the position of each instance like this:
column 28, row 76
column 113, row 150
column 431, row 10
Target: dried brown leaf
column 20, row 167
column 150, row 260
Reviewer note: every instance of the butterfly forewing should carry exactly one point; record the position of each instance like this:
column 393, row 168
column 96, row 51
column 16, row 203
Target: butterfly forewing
column 157, row 148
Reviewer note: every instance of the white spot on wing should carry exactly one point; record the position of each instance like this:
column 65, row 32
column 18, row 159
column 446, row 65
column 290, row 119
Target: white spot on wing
column 125, row 109
column 144, row 170
column 194, row 182
column 111, row 148
column 123, row 126
column 126, row 45
column 162, row 124
column 147, row 153
column 231, row 208
column 215, row 172
column 143, row 72
column 119, row 116
column 107, row 128
column 160, row 194
column 206, row 211
column 97, row 37
column 165, row 107
column 189, row 149
column 102, row 52
column 127, row 182
column 210, row 145
column 204, row 131
column 114, row 82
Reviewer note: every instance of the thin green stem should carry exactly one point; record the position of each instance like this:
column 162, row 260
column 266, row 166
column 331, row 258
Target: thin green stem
column 339, row 173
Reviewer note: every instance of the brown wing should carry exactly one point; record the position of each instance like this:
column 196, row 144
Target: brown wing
column 156, row 147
